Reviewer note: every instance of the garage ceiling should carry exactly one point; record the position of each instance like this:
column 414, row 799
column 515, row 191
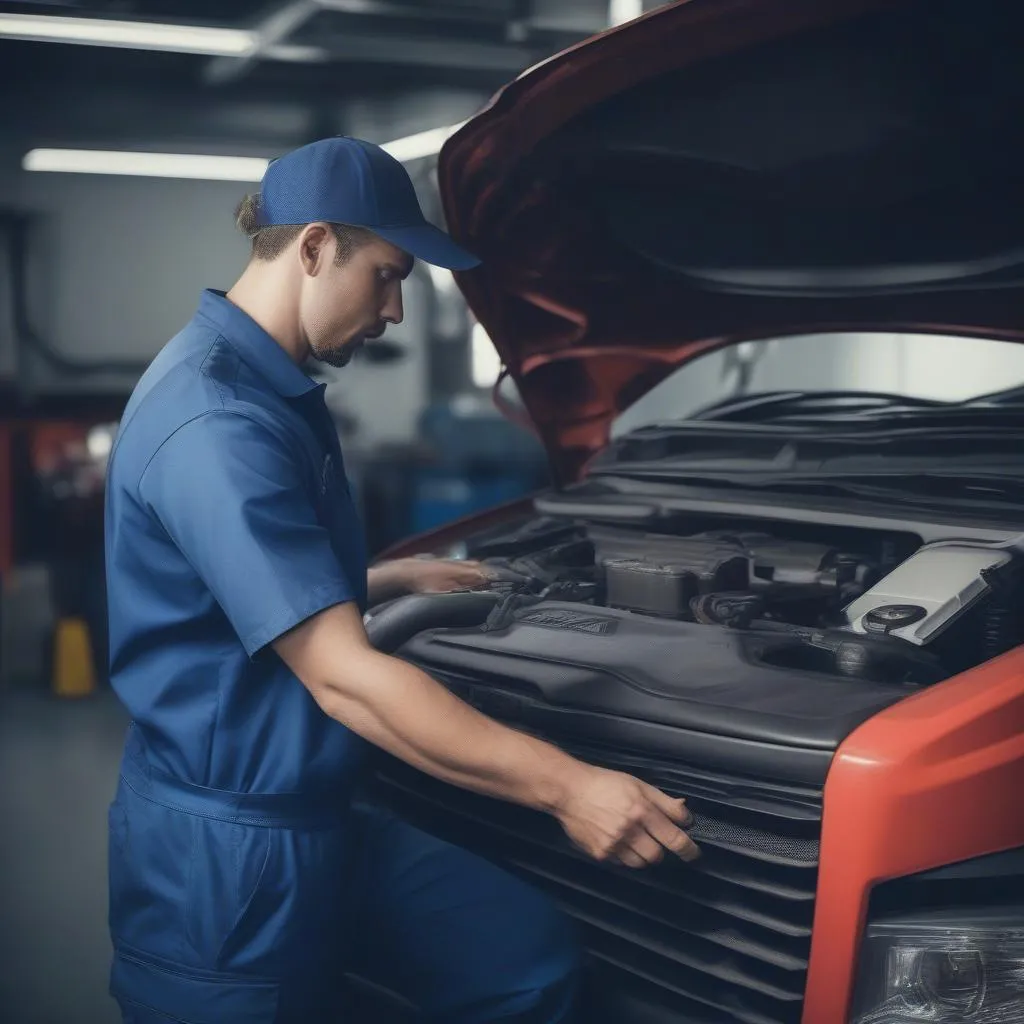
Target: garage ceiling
column 381, row 69
column 310, row 48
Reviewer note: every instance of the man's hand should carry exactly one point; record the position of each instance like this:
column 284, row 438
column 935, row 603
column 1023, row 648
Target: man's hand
column 615, row 817
column 441, row 576
column 423, row 576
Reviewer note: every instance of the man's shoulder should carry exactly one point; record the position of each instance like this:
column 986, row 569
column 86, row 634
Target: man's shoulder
column 189, row 393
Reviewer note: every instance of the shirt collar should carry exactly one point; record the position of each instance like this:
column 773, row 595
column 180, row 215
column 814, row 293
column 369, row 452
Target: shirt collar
column 255, row 345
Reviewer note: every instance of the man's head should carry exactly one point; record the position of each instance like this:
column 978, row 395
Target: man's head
column 335, row 229
column 346, row 281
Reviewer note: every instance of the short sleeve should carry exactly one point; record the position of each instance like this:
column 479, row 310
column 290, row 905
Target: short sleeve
column 231, row 496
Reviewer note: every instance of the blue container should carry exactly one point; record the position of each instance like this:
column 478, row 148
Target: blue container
column 440, row 498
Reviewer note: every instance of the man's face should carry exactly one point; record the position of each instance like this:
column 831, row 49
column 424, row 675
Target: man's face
column 342, row 307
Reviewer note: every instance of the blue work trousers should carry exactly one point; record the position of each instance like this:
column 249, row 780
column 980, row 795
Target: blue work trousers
column 230, row 908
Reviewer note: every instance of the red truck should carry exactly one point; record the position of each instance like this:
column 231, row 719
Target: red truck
column 801, row 607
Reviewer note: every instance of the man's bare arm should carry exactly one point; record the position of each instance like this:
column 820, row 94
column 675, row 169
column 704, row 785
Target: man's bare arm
column 402, row 710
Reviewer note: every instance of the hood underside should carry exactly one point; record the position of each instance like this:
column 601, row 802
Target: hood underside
column 725, row 170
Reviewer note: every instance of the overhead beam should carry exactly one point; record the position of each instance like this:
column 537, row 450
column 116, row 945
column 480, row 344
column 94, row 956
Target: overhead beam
column 270, row 31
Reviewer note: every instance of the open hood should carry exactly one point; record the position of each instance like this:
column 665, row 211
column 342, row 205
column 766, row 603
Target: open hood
column 724, row 170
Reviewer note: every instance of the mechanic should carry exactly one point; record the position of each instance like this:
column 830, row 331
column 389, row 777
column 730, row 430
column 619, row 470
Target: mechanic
column 244, row 879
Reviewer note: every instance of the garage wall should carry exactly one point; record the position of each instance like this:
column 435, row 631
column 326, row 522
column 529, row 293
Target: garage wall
column 118, row 263
column 6, row 321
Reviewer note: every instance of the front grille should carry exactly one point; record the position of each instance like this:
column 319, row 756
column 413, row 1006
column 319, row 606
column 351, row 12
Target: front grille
column 723, row 940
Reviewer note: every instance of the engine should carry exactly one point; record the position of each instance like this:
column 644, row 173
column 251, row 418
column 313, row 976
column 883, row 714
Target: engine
column 788, row 635
column 868, row 607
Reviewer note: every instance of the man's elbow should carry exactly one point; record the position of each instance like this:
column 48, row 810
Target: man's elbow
column 342, row 688
column 325, row 694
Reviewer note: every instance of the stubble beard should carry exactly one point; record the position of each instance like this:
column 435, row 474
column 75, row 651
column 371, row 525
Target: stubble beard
column 337, row 356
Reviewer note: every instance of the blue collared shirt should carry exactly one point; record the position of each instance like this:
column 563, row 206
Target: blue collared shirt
column 228, row 522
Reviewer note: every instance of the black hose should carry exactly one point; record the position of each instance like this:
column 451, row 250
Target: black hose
column 396, row 623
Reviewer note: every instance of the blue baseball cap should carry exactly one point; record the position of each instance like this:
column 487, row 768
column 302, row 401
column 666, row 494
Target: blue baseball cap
column 348, row 181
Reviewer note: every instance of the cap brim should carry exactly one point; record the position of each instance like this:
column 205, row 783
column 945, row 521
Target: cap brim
column 431, row 245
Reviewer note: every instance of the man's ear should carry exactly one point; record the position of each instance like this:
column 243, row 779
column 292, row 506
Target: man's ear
column 313, row 248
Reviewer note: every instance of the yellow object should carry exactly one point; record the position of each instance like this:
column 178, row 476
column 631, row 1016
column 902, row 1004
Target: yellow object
column 73, row 671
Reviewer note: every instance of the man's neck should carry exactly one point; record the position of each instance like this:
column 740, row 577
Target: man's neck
column 259, row 294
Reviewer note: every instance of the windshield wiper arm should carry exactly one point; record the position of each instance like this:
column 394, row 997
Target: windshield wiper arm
column 827, row 402
column 788, row 464
column 988, row 487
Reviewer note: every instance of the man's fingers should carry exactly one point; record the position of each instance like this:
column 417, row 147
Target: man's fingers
column 670, row 836
column 640, row 848
column 630, row 859
column 459, row 576
column 675, row 808
column 473, row 571
column 645, row 847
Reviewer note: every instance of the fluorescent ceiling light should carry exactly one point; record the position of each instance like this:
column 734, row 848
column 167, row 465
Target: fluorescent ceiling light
column 484, row 361
column 203, row 167
column 621, row 11
column 146, row 165
column 137, row 35
column 442, row 279
column 414, row 147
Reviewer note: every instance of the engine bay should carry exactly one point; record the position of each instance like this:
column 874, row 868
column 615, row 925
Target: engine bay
column 752, row 645
column 851, row 603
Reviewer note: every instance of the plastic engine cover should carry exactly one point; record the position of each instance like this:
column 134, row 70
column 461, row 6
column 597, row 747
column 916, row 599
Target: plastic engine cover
column 710, row 693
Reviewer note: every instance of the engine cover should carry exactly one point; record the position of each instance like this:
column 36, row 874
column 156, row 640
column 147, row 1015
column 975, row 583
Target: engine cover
column 731, row 698
column 921, row 598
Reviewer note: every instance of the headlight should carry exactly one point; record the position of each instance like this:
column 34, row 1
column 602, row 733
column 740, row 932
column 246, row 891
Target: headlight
column 952, row 971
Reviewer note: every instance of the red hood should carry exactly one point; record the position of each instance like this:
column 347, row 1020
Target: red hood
column 662, row 189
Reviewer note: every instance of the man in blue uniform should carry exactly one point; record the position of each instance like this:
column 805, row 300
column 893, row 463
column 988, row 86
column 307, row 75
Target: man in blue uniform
column 243, row 882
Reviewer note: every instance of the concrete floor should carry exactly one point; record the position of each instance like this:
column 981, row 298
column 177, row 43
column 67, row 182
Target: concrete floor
column 58, row 768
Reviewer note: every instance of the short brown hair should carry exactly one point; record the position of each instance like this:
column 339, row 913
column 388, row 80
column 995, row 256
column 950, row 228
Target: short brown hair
column 270, row 242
